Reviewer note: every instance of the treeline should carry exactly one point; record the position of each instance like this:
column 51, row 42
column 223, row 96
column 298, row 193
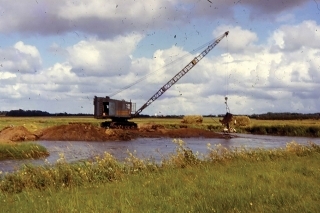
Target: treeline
column 3, row 113
column 265, row 116
column 35, row 113
column 285, row 116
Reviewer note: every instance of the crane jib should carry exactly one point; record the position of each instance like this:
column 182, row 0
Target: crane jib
column 180, row 74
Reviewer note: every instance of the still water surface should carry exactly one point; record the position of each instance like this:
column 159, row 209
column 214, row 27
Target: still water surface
column 147, row 147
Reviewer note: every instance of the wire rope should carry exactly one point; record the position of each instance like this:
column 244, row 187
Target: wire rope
column 167, row 65
column 227, row 78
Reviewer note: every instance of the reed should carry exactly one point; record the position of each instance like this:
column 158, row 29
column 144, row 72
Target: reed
column 23, row 150
column 285, row 130
column 223, row 180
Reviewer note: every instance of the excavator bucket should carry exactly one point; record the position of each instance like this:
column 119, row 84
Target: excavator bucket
column 226, row 119
column 226, row 122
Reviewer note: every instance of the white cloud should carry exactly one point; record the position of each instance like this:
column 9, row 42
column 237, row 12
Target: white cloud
column 259, row 80
column 7, row 75
column 111, row 18
column 20, row 58
column 27, row 49
column 294, row 37
column 259, row 70
column 240, row 40
column 103, row 57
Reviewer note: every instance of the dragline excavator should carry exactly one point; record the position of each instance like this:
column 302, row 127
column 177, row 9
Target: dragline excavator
column 120, row 111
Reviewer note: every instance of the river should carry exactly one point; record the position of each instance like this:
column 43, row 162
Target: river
column 147, row 147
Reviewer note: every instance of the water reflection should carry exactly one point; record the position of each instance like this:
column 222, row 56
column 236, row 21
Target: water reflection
column 147, row 147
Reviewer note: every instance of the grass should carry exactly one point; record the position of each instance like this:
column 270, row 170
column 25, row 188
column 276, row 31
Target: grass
column 285, row 130
column 23, row 150
column 239, row 180
column 304, row 128
column 37, row 123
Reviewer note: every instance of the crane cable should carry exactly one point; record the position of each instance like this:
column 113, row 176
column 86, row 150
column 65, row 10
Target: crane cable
column 167, row 65
column 227, row 80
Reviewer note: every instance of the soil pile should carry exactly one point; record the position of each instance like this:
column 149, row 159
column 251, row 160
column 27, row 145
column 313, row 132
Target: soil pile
column 16, row 133
column 81, row 132
column 89, row 132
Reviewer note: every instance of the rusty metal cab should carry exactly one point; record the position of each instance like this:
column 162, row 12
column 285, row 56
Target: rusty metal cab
column 105, row 107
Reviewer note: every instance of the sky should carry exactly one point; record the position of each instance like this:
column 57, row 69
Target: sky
column 55, row 56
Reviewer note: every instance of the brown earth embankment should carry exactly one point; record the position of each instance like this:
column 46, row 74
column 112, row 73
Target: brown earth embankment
column 89, row 132
column 16, row 133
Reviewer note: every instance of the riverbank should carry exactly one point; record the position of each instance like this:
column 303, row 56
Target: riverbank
column 90, row 132
column 13, row 138
column 285, row 130
column 10, row 150
column 87, row 129
column 279, row 180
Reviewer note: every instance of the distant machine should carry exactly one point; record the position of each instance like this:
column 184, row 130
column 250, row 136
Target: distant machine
column 120, row 111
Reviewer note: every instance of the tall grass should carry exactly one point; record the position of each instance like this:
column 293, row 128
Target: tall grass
column 286, row 130
column 224, row 180
column 22, row 151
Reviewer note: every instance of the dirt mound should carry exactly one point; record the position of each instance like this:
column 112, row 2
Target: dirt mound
column 81, row 132
column 16, row 133
column 89, row 132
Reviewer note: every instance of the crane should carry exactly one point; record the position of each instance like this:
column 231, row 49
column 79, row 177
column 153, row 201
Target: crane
column 120, row 110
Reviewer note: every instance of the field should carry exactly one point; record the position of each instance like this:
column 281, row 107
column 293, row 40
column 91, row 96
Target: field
column 282, row 180
column 307, row 127
column 36, row 123
column 14, row 129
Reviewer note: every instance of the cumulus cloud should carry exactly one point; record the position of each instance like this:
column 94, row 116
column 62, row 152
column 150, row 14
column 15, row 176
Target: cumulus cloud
column 293, row 37
column 103, row 57
column 20, row 58
column 257, row 80
column 241, row 39
column 264, row 8
column 7, row 75
column 111, row 18
column 110, row 51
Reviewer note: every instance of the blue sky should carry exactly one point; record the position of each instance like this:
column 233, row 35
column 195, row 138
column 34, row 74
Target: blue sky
column 55, row 56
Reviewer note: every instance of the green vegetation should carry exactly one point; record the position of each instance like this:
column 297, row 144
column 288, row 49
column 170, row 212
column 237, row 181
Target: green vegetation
column 21, row 151
column 238, row 180
column 286, row 130
column 305, row 127
column 34, row 124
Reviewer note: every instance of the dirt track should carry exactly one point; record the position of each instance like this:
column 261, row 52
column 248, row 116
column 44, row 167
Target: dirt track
column 88, row 132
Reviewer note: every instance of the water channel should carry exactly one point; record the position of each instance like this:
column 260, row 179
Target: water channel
column 147, row 147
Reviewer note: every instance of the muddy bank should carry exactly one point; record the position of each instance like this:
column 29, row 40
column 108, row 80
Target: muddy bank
column 16, row 134
column 89, row 132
